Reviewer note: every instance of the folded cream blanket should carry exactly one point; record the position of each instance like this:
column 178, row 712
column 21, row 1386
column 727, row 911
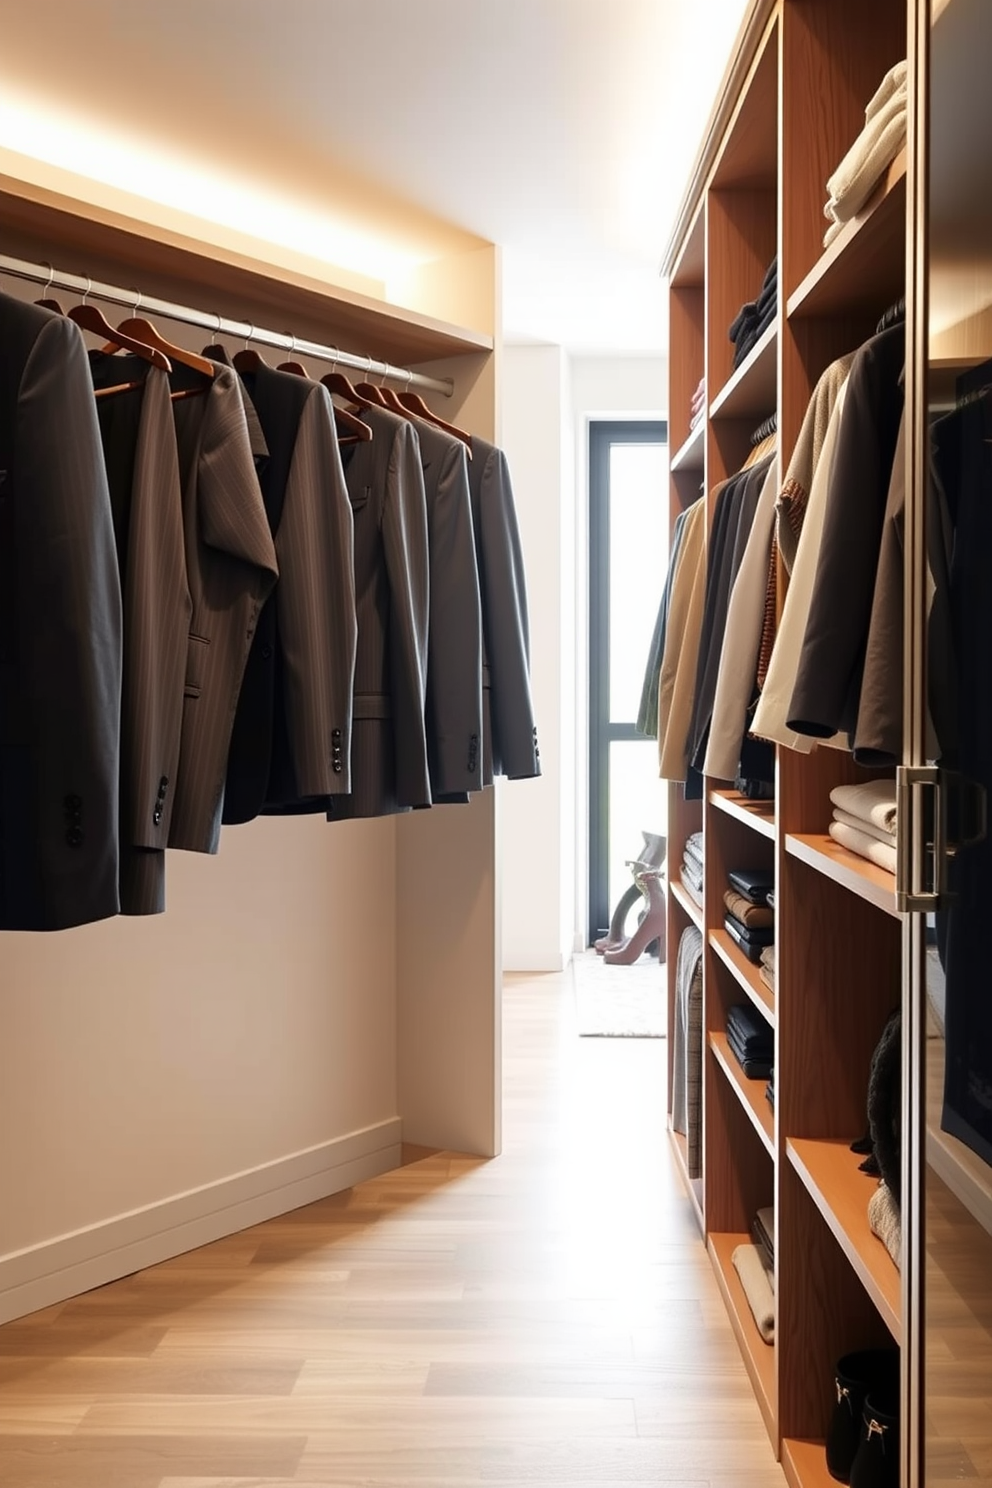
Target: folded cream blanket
column 868, row 827
column 874, row 801
column 757, row 1288
column 863, row 845
column 873, row 151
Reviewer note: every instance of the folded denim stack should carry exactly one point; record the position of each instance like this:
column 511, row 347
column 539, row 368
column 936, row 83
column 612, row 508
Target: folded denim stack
column 691, row 871
column 698, row 407
column 865, row 820
column 755, row 316
column 752, row 1042
column 748, row 918
column 872, row 153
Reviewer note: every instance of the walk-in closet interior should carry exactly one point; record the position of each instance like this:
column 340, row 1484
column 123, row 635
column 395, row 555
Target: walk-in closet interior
column 841, row 198
column 318, row 992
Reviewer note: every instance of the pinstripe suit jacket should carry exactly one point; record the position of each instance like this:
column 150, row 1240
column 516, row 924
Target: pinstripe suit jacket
column 291, row 745
column 511, row 745
column 231, row 568
column 60, row 633
column 454, row 645
column 139, row 443
column 385, row 481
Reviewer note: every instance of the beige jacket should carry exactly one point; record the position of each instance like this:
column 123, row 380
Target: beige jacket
column 676, row 688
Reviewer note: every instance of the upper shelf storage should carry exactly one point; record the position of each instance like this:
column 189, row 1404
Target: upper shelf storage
column 864, row 266
column 77, row 236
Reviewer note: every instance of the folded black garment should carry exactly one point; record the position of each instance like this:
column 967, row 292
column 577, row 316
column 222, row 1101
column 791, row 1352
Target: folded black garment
column 754, row 883
column 763, row 1231
column 744, row 1052
column 748, row 1023
column 743, row 938
column 754, row 1069
column 770, row 1093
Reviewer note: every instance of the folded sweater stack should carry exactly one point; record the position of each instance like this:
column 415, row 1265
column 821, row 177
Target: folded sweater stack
column 748, row 918
column 754, row 317
column 751, row 1040
column 691, row 871
column 871, row 154
column 865, row 820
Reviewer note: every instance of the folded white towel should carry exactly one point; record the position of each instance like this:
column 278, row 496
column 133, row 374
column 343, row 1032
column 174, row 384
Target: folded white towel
column 874, row 801
column 868, row 827
column 757, row 1288
column 874, row 149
column 864, row 846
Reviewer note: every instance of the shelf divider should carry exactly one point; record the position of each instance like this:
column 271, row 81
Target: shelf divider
column 752, row 390
column 830, row 1172
column 745, row 973
column 689, row 456
column 750, row 1093
column 686, row 902
column 759, row 815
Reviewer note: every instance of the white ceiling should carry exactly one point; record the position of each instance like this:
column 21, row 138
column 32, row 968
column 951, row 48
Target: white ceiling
column 562, row 129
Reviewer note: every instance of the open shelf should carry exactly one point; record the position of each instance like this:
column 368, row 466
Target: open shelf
column 830, row 1172
column 690, row 455
column 693, row 1186
column 820, row 851
column 752, row 391
column 964, row 1172
column 864, row 265
column 750, row 1093
column 805, row 1464
column 686, row 903
column 759, row 1357
column 760, row 815
column 745, row 973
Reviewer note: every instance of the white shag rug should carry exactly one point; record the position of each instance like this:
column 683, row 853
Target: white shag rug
column 619, row 1001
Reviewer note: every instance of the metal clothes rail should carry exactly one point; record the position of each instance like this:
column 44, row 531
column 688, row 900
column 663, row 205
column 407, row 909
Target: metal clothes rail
column 217, row 324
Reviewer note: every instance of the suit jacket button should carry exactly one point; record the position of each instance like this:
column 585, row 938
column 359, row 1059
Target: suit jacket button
column 72, row 804
column 335, row 733
column 157, row 815
column 266, row 652
column 337, row 767
column 74, row 837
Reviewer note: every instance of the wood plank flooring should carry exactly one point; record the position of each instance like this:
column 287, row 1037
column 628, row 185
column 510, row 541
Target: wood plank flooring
column 549, row 1318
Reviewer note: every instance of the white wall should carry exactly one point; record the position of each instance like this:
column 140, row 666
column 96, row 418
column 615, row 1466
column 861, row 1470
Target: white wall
column 548, row 401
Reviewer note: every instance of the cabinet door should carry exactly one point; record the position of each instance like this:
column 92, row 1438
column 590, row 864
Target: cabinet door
column 949, row 573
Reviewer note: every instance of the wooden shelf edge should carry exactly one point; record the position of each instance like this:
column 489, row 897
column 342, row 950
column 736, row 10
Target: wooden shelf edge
column 829, row 1173
column 759, row 1357
column 756, row 1107
column 799, row 302
column 805, row 1464
column 746, row 974
column 732, row 400
column 758, row 815
column 820, row 851
column 689, row 456
column 692, row 1186
column 687, row 904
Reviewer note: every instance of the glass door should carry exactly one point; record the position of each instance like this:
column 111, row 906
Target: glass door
column 628, row 555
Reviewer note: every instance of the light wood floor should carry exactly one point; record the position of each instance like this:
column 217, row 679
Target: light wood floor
column 547, row 1318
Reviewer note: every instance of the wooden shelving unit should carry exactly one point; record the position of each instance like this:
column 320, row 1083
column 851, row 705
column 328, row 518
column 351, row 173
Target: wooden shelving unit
column 759, row 1356
column 745, row 973
column 750, row 1093
column 860, row 877
column 830, row 1172
column 757, row 192
column 693, row 1186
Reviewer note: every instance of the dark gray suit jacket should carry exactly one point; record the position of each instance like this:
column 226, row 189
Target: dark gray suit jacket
column 60, row 633
column 510, row 733
column 389, row 771
column 454, row 646
column 139, row 443
column 230, row 567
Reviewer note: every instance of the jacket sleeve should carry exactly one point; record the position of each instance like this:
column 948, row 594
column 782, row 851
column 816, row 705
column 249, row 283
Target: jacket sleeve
column 454, row 664
column 68, row 621
column 404, row 538
column 316, row 603
column 505, row 621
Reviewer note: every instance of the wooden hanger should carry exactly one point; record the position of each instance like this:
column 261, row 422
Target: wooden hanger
column 414, row 403
column 248, row 359
column 143, row 330
column 351, row 430
column 336, row 382
column 369, row 391
column 91, row 318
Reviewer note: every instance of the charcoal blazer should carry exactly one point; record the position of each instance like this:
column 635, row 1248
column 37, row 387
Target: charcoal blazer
column 60, row 633
column 385, row 480
column 139, row 444
column 454, row 644
column 510, row 743
column 291, row 742
column 231, row 568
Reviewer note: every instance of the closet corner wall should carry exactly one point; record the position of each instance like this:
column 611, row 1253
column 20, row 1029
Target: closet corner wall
column 316, row 994
column 792, row 103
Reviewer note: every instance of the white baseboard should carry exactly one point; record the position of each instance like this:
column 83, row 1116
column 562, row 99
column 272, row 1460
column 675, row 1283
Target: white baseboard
column 53, row 1270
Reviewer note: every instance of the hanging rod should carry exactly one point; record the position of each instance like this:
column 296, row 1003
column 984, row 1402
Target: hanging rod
column 51, row 278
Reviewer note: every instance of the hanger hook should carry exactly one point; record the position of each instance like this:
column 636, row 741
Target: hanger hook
column 137, row 302
column 251, row 332
column 292, row 349
column 217, row 327
column 51, row 278
column 409, row 378
column 334, row 358
column 89, row 286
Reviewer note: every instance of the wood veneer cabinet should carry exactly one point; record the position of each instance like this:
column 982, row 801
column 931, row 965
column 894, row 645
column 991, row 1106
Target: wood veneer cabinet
column 792, row 103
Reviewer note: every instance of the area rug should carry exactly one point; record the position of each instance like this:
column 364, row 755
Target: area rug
column 619, row 1001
